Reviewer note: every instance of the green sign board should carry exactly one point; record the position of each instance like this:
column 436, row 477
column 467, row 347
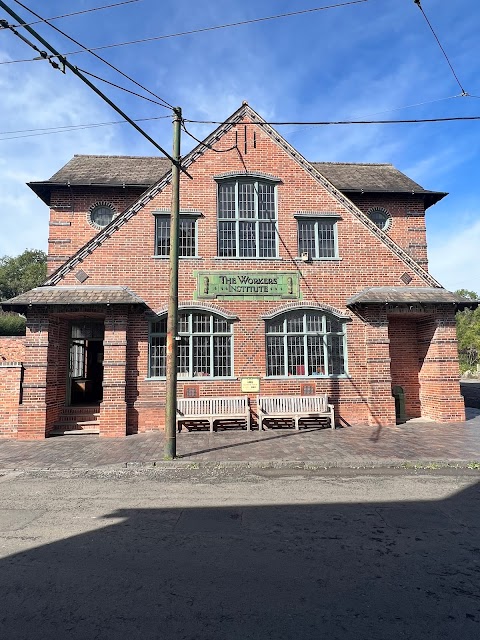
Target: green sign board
column 282, row 285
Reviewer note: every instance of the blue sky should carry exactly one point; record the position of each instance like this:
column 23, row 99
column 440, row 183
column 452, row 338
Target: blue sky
column 369, row 60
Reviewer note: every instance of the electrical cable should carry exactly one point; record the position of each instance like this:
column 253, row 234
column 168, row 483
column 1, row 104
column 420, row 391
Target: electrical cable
column 419, row 5
column 207, row 146
column 201, row 30
column 117, row 86
column 166, row 104
column 105, row 98
column 68, row 129
column 76, row 13
column 418, row 104
column 338, row 122
column 74, row 126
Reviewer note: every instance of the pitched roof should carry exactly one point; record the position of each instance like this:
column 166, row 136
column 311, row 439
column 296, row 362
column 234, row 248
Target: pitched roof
column 110, row 171
column 350, row 176
column 76, row 295
column 409, row 295
column 144, row 171
column 245, row 111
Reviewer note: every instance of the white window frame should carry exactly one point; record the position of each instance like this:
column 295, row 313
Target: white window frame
column 237, row 220
column 165, row 216
column 191, row 373
column 304, row 335
column 317, row 220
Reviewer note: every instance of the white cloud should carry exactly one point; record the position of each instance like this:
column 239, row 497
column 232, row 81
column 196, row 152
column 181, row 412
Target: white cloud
column 454, row 259
column 43, row 98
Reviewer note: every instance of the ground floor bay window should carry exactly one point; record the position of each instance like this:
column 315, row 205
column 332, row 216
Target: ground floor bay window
column 204, row 347
column 305, row 343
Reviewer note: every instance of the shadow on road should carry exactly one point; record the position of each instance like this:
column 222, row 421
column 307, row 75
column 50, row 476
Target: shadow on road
column 336, row 571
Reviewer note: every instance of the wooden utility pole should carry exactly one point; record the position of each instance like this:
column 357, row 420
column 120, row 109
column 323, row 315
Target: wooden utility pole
column 172, row 318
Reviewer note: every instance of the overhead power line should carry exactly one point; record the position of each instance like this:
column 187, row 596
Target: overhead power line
column 165, row 103
column 201, row 30
column 335, row 122
column 77, row 13
column 33, row 133
column 117, row 86
column 67, row 64
column 419, row 5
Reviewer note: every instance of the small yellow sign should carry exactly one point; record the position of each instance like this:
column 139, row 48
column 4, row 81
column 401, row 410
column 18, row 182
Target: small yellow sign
column 250, row 385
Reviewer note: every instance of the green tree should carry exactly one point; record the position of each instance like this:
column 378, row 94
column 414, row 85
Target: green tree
column 19, row 274
column 468, row 333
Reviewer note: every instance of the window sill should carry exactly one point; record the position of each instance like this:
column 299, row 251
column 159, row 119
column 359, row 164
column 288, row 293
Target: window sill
column 335, row 259
column 319, row 377
column 180, row 257
column 244, row 258
column 197, row 379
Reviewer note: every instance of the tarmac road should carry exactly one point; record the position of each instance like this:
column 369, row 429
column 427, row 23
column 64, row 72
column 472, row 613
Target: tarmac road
column 204, row 554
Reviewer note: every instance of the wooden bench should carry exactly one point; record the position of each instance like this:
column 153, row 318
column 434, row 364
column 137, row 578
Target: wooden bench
column 294, row 407
column 213, row 409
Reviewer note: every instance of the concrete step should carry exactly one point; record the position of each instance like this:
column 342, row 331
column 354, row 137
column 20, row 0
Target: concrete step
column 70, row 417
column 74, row 432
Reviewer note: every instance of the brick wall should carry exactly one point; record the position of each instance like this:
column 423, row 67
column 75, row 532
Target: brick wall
column 405, row 361
column 69, row 228
column 126, row 258
column 407, row 225
column 12, row 348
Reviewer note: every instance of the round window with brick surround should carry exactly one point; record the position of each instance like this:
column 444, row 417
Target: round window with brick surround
column 380, row 217
column 101, row 214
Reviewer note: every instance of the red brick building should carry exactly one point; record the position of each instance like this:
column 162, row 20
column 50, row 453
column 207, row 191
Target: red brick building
column 312, row 277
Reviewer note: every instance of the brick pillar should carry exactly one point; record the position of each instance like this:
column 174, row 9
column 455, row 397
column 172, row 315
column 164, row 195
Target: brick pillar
column 10, row 381
column 33, row 410
column 381, row 404
column 439, row 376
column 113, row 409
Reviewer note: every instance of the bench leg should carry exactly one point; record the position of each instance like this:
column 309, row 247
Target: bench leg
column 260, row 423
column 249, row 426
column 297, row 422
column 211, row 425
column 332, row 418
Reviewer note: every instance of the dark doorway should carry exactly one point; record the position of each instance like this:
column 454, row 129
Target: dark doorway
column 86, row 363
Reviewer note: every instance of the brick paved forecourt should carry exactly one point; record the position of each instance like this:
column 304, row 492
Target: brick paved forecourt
column 414, row 443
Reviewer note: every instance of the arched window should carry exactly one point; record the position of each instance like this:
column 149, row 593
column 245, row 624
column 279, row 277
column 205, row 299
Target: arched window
column 204, row 348
column 306, row 343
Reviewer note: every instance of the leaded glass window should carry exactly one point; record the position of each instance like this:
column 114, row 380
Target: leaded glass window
column 247, row 215
column 204, row 346
column 306, row 343
column 187, row 236
column 317, row 237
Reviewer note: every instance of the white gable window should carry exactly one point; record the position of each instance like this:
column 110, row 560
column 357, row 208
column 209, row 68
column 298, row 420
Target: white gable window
column 204, row 349
column 306, row 343
column 317, row 235
column 247, row 217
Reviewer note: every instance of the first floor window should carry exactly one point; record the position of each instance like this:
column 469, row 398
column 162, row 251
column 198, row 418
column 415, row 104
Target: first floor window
column 204, row 348
column 317, row 237
column 247, row 214
column 305, row 344
column 187, row 245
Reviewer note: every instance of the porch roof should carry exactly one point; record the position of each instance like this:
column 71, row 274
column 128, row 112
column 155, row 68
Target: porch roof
column 410, row 295
column 76, row 295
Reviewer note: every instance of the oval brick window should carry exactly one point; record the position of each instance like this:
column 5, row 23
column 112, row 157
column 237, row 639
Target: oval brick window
column 101, row 214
